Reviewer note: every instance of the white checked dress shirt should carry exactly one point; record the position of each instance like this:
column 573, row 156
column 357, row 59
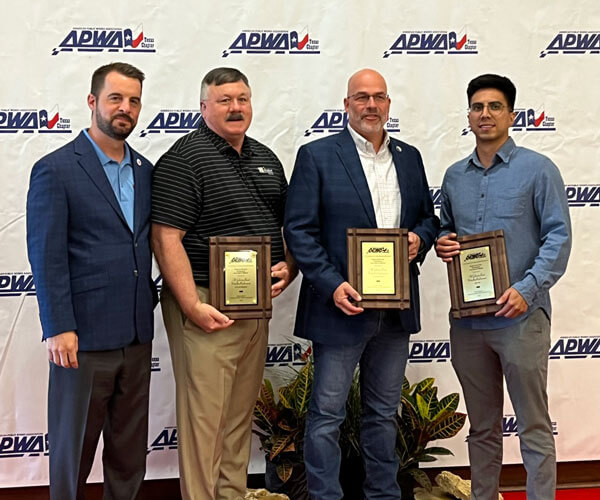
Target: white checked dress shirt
column 381, row 177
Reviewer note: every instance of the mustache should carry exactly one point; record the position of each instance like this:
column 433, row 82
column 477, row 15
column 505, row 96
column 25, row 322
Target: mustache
column 123, row 116
column 234, row 117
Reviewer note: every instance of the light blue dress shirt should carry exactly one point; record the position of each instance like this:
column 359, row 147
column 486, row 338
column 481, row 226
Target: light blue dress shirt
column 120, row 176
column 523, row 194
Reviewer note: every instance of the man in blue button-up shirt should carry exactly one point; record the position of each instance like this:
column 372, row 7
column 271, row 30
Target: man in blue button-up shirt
column 88, row 223
column 503, row 186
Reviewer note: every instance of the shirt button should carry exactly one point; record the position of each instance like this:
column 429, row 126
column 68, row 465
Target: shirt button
column 135, row 272
column 482, row 195
column 477, row 219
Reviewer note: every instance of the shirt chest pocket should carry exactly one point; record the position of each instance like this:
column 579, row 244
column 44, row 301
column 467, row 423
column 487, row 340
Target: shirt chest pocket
column 510, row 203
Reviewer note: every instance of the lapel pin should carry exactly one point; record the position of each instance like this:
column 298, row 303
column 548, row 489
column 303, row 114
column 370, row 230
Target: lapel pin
column 399, row 149
column 139, row 162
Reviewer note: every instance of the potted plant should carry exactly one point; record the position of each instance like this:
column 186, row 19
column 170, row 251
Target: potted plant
column 281, row 422
column 424, row 418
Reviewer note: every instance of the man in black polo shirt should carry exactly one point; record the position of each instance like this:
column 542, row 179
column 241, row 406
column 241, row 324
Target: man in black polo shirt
column 215, row 181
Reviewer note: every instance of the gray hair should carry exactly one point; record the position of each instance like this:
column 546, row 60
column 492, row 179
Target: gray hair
column 220, row 76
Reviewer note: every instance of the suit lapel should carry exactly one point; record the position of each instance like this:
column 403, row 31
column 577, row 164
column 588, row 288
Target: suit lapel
column 349, row 157
column 88, row 160
column 140, row 185
column 399, row 164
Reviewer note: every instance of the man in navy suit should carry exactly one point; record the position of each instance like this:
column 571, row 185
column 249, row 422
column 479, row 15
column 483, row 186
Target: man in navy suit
column 359, row 178
column 88, row 221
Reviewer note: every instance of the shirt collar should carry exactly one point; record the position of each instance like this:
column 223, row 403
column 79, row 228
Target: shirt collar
column 221, row 144
column 504, row 153
column 103, row 157
column 363, row 145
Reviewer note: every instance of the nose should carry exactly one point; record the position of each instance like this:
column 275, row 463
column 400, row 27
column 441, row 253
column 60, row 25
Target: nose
column 486, row 110
column 125, row 106
column 235, row 104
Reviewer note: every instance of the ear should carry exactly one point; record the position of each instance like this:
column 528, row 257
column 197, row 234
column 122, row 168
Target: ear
column 346, row 103
column 513, row 115
column 91, row 101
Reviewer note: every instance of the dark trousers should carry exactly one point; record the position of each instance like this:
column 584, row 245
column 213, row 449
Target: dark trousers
column 108, row 393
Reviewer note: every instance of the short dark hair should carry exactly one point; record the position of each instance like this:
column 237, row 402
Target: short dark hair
column 491, row 81
column 220, row 76
column 122, row 68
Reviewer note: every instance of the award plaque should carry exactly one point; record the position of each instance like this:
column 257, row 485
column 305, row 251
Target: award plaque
column 378, row 267
column 478, row 275
column 240, row 276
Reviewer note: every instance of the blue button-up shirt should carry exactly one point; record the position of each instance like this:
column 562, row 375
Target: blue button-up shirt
column 523, row 194
column 120, row 176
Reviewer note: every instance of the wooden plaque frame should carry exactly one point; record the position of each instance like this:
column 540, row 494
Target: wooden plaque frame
column 499, row 263
column 399, row 237
column 218, row 245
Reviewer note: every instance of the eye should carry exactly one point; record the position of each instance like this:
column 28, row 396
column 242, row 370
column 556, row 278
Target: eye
column 225, row 101
column 496, row 106
column 477, row 107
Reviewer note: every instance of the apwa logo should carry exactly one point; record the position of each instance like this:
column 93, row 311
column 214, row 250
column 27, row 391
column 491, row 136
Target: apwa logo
column 583, row 195
column 575, row 348
column 430, row 351
column 510, row 426
column 106, row 39
column 21, row 445
column 29, row 121
column 292, row 354
column 573, row 42
column 335, row 120
column 166, row 440
column 436, row 196
column 432, row 42
column 16, row 284
column 173, row 121
column 273, row 42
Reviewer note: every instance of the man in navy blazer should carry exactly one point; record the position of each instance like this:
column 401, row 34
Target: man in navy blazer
column 359, row 178
column 88, row 221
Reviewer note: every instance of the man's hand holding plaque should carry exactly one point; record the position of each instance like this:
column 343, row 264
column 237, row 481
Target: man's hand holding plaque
column 478, row 275
column 240, row 276
column 377, row 269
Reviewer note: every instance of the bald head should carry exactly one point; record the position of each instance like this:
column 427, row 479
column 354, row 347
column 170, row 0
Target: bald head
column 365, row 77
column 368, row 105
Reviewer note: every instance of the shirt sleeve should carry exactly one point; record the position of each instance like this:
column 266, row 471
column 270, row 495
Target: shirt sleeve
column 552, row 210
column 176, row 200
column 446, row 217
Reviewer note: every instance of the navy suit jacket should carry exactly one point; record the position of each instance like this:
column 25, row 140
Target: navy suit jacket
column 328, row 193
column 92, row 274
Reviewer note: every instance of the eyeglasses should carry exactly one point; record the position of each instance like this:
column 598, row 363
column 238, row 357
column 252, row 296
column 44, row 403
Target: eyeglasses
column 363, row 97
column 494, row 107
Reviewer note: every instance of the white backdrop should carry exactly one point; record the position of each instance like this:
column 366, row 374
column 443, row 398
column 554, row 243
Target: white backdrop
column 427, row 50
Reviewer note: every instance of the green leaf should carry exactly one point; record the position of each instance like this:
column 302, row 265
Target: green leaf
column 427, row 403
column 405, row 385
column 284, row 470
column 437, row 450
column 267, row 396
column 303, row 389
column 421, row 478
column 426, row 458
column 448, row 427
column 279, row 444
column 424, row 384
column 446, row 406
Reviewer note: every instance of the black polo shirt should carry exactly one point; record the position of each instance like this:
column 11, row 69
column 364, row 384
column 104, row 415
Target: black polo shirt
column 201, row 185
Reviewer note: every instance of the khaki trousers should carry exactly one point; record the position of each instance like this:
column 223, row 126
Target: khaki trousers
column 217, row 378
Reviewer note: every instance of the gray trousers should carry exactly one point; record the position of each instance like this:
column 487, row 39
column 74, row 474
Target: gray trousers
column 519, row 353
column 108, row 393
